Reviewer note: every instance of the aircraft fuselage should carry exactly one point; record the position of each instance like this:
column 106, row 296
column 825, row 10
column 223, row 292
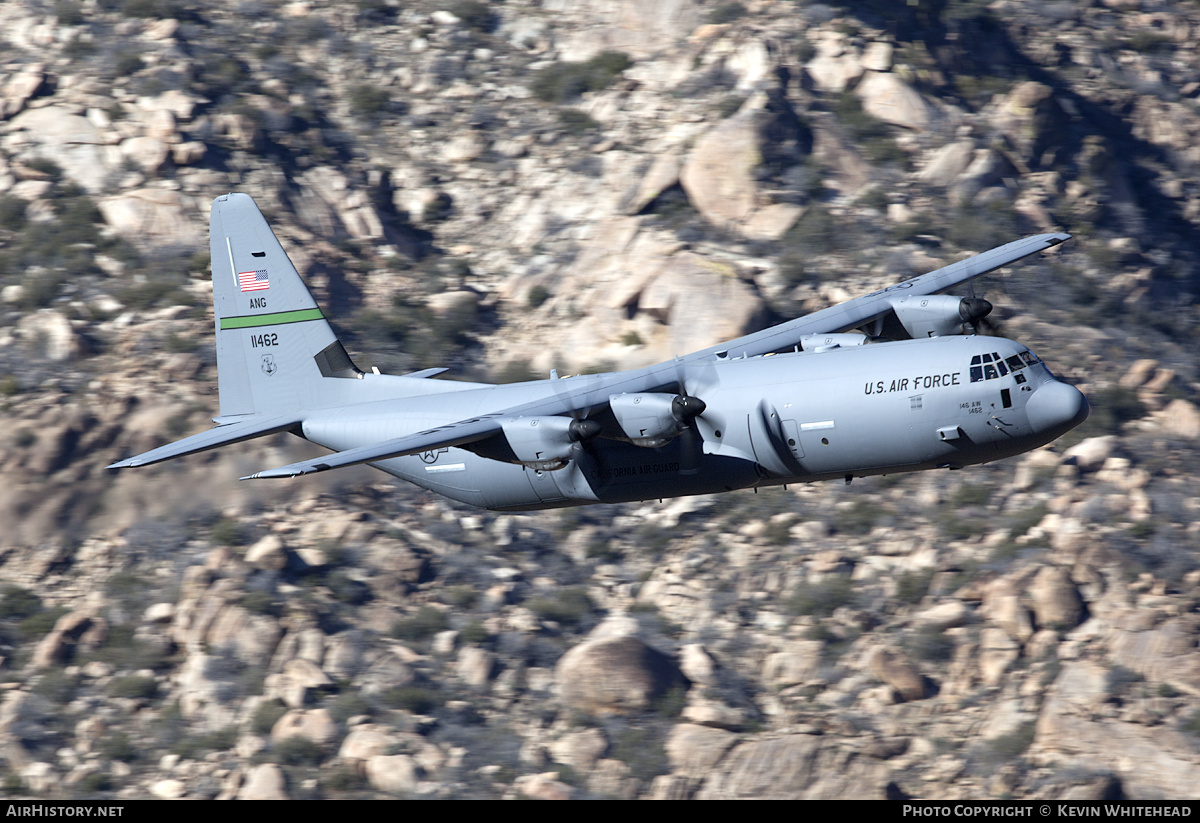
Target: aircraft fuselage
column 789, row 418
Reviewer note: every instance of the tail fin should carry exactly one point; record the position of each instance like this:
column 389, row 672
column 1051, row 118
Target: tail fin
column 273, row 343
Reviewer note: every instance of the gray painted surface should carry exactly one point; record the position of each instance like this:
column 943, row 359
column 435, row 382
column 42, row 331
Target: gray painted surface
column 837, row 410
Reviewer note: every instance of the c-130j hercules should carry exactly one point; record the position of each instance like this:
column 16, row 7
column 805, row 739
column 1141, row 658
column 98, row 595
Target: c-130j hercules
column 728, row 417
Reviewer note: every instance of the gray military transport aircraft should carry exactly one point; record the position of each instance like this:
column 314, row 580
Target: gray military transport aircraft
column 806, row 400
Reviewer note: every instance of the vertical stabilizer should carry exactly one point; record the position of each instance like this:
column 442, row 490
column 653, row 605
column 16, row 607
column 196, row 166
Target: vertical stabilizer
column 274, row 345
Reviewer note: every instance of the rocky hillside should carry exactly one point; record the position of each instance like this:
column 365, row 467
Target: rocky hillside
column 516, row 186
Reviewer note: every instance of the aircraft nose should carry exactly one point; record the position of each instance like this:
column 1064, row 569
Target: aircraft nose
column 1056, row 406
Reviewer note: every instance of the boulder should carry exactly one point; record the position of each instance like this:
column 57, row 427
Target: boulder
column 1056, row 602
column 722, row 174
column 615, row 676
column 71, row 141
column 897, row 671
column 315, row 725
column 886, row 97
column 794, row 767
column 153, row 215
column 580, row 750
column 268, row 554
column 395, row 774
column 947, row 163
column 54, row 334
column 264, row 782
column 797, row 665
column 20, row 88
column 702, row 302
column 695, row 751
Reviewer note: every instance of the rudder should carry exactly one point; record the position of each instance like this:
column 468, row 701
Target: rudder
column 273, row 343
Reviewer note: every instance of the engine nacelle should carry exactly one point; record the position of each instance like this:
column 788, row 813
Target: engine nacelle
column 648, row 418
column 546, row 443
column 651, row 419
column 936, row 315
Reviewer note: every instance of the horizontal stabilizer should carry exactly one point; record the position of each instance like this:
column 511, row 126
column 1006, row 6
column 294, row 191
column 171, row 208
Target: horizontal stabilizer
column 246, row 429
column 456, row 435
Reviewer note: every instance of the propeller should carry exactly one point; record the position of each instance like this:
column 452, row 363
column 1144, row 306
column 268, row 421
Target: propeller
column 975, row 310
column 686, row 408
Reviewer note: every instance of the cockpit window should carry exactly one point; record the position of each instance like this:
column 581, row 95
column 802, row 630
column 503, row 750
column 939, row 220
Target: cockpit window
column 990, row 365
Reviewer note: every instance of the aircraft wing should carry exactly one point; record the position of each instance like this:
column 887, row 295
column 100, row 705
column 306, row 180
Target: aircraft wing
column 590, row 391
column 223, row 435
column 854, row 313
column 580, row 392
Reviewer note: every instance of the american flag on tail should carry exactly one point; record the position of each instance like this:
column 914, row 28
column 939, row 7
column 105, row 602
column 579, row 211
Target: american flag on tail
column 253, row 280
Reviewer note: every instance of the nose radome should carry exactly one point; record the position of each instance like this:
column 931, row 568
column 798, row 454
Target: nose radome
column 1056, row 405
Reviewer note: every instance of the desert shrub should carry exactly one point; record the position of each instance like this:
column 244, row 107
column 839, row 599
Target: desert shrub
column 564, row 82
column 367, row 100
column 858, row 518
column 872, row 135
column 12, row 212
column 461, row 597
column 93, row 782
column 428, row 621
column 931, row 644
column 727, row 13
column 345, row 778
column 56, row 686
column 297, row 751
column 643, row 751
column 228, row 532
column 413, row 699
column 345, row 589
column 18, row 602
column 474, row 633
column 266, row 716
column 38, row 625
column 118, row 746
column 350, row 704
column 568, row 607
column 821, row 598
column 474, row 15
column 982, row 226
column 132, row 686
column 576, row 121
column 911, row 587
column 195, row 746
column 262, row 602
column 970, row 494
column 816, row 232
column 1112, row 407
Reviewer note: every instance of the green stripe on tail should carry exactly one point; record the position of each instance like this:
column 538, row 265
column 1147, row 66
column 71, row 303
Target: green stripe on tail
column 278, row 318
